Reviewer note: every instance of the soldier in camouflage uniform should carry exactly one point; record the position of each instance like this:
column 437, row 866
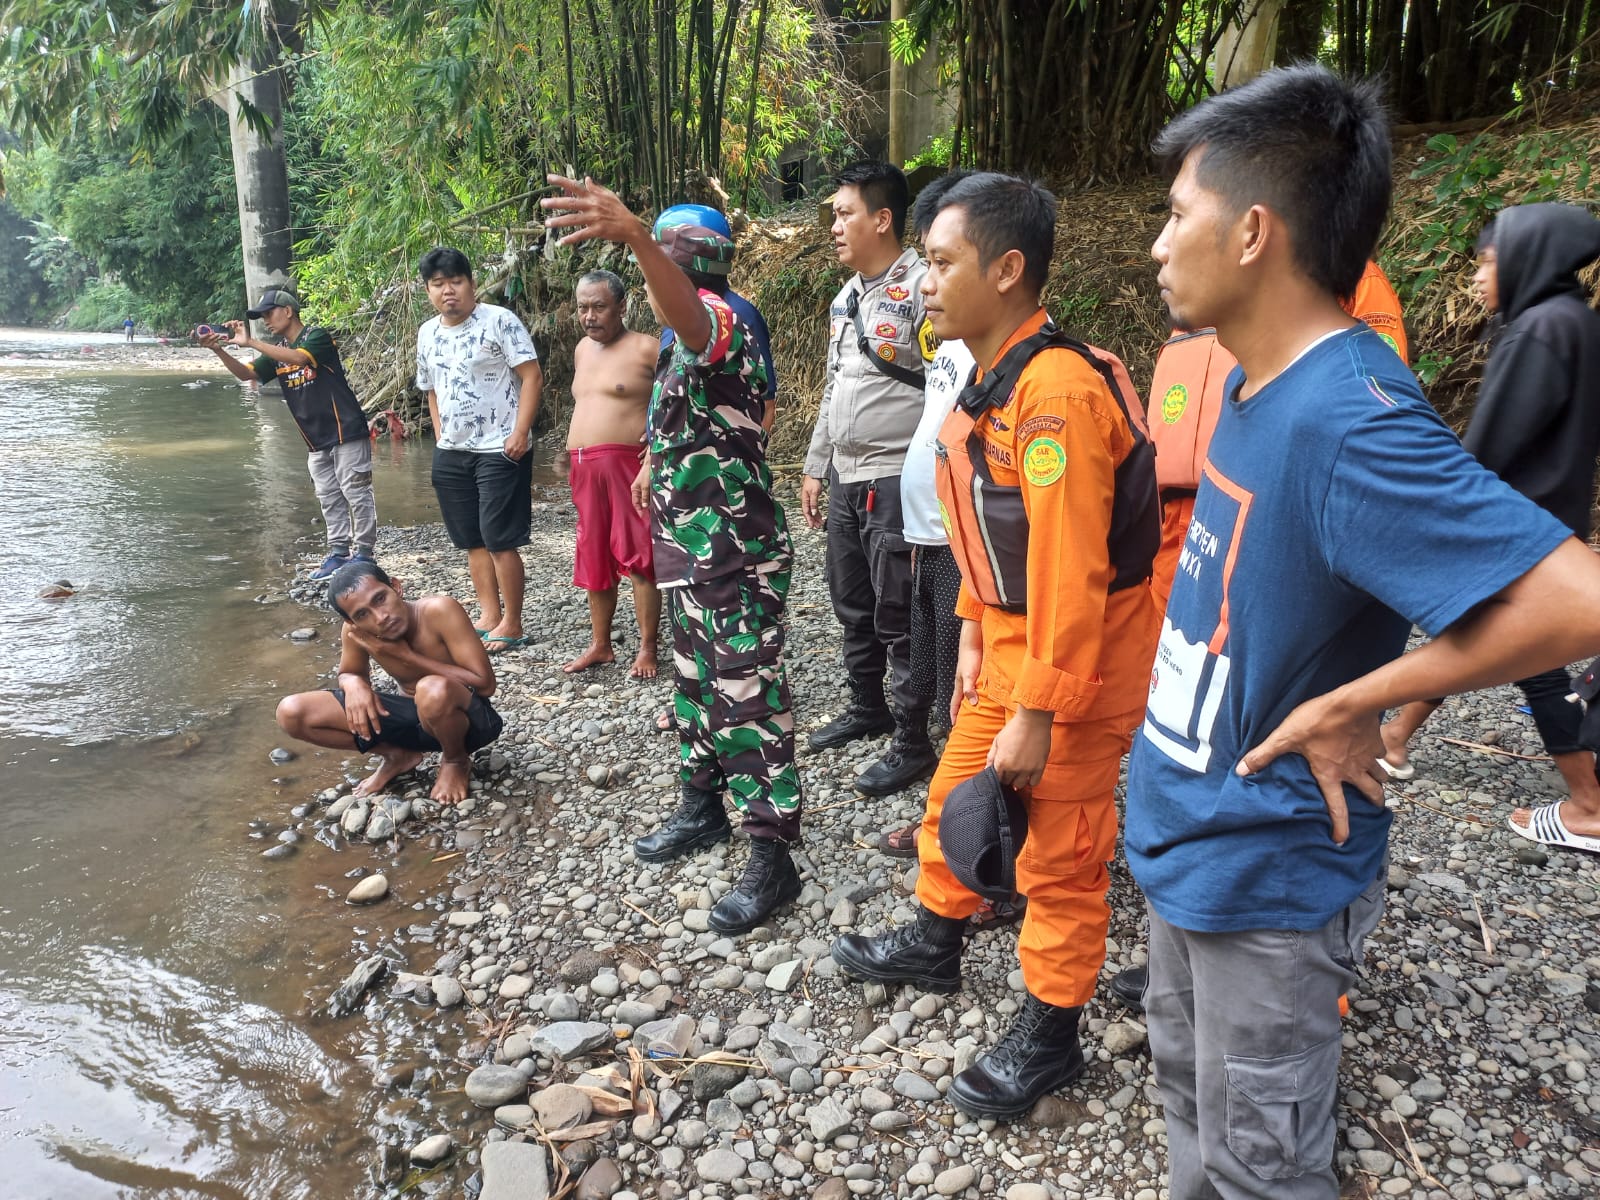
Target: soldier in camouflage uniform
column 722, row 556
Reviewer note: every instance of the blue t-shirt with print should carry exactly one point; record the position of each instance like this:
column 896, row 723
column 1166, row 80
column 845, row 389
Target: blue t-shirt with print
column 1335, row 510
column 751, row 315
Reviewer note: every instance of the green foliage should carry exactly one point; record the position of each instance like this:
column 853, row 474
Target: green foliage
column 101, row 306
column 1472, row 181
column 935, row 151
column 26, row 298
column 167, row 229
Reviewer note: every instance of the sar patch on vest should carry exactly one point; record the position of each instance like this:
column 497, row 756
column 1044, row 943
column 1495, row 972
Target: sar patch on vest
column 1044, row 461
column 1173, row 403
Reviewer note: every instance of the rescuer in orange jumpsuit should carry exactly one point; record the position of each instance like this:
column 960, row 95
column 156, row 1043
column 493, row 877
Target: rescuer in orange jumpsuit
column 1047, row 488
column 1186, row 396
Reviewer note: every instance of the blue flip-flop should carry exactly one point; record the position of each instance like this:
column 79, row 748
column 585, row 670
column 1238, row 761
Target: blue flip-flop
column 506, row 643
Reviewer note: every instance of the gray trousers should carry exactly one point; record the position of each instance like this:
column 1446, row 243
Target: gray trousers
column 868, row 571
column 1244, row 1030
column 343, row 479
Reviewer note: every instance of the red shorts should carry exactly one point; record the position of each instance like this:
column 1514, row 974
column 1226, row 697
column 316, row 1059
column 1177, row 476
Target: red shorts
column 613, row 539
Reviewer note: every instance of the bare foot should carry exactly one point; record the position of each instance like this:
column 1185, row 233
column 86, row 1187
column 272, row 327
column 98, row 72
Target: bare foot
column 644, row 663
column 592, row 657
column 395, row 764
column 451, row 786
column 1394, row 755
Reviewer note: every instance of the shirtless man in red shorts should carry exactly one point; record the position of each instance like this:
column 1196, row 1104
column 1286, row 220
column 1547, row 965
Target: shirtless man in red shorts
column 613, row 372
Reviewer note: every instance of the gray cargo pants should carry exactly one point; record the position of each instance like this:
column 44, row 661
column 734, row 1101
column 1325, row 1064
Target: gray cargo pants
column 1244, row 1029
column 343, row 479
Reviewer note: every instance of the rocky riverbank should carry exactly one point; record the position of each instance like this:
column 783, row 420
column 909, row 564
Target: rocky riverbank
column 522, row 994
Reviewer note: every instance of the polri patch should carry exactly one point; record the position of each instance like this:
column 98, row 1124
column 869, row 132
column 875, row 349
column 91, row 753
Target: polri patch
column 1044, row 461
column 896, row 292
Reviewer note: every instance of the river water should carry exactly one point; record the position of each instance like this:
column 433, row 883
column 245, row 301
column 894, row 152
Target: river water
column 158, row 978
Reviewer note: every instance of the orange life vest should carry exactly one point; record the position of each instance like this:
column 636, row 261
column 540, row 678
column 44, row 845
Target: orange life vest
column 1185, row 401
column 986, row 521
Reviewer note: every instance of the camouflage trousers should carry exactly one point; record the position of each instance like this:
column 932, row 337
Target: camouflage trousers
column 736, row 730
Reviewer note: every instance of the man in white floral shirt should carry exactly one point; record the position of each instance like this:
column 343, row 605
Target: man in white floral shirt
column 481, row 372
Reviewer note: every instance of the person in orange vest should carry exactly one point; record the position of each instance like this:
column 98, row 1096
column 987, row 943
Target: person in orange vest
column 1185, row 400
column 1046, row 483
column 1186, row 396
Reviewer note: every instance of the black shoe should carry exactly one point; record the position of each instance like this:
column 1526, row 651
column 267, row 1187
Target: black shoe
column 699, row 821
column 1037, row 1055
column 867, row 716
column 1127, row 985
column 909, row 759
column 926, row 952
column 769, row 882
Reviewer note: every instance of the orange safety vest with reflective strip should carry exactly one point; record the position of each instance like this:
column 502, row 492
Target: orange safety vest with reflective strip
column 986, row 521
column 1186, row 392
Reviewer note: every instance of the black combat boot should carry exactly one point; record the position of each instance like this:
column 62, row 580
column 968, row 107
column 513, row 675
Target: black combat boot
column 909, row 759
column 867, row 716
column 769, row 882
column 1127, row 985
column 1037, row 1055
column 926, row 952
column 700, row 821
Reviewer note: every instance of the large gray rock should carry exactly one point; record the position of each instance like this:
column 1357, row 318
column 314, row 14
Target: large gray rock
column 491, row 1086
column 432, row 1150
column 827, row 1120
column 370, row 890
column 709, row 1080
column 348, row 994
column 953, row 1181
column 792, row 1043
column 561, row 1106
column 514, row 1171
column 915, row 1087
column 447, row 991
column 717, row 1166
column 601, row 1181
column 567, row 1040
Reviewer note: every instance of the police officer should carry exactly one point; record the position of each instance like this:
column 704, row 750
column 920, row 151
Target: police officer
column 871, row 404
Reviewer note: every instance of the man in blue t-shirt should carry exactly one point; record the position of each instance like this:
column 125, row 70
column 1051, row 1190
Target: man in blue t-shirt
column 1335, row 509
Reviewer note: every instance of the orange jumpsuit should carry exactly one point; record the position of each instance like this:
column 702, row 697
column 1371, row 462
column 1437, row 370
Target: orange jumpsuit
column 1080, row 650
column 1186, row 399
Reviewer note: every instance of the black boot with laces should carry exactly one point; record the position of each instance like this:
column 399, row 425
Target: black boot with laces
column 909, row 759
column 700, row 821
column 1037, row 1055
column 867, row 716
column 769, row 882
column 926, row 952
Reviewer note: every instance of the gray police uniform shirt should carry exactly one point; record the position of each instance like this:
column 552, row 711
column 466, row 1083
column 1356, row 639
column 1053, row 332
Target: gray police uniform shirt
column 866, row 419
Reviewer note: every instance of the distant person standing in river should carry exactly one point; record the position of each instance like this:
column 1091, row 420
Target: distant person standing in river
column 478, row 366
column 304, row 359
column 429, row 647
column 127, row 329
column 613, row 370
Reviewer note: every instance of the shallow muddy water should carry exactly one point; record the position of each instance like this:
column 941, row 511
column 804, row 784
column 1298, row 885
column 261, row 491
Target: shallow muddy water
column 158, row 978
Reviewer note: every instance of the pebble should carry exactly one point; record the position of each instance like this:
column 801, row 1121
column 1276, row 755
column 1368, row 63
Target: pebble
column 955, row 1180
column 719, row 1166
column 491, row 1086
column 514, row 1171
column 914, row 1087
column 430, row 1151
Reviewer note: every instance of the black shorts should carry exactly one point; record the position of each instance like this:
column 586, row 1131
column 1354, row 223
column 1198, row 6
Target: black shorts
column 486, row 499
column 403, row 730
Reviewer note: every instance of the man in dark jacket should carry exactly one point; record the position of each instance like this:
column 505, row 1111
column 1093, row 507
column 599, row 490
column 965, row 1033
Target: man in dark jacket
column 1537, row 426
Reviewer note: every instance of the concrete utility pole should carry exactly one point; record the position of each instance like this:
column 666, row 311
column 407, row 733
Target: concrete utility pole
column 899, row 97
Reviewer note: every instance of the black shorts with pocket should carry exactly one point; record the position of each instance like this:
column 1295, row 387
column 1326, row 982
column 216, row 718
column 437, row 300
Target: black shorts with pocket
column 403, row 730
column 486, row 499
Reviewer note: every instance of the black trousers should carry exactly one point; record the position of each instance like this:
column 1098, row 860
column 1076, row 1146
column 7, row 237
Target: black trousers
column 868, row 570
column 1556, row 720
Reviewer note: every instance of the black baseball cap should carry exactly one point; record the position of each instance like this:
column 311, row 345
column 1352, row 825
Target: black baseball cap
column 273, row 297
column 981, row 831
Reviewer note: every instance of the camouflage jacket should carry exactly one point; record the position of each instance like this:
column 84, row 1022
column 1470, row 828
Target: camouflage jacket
column 711, row 506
